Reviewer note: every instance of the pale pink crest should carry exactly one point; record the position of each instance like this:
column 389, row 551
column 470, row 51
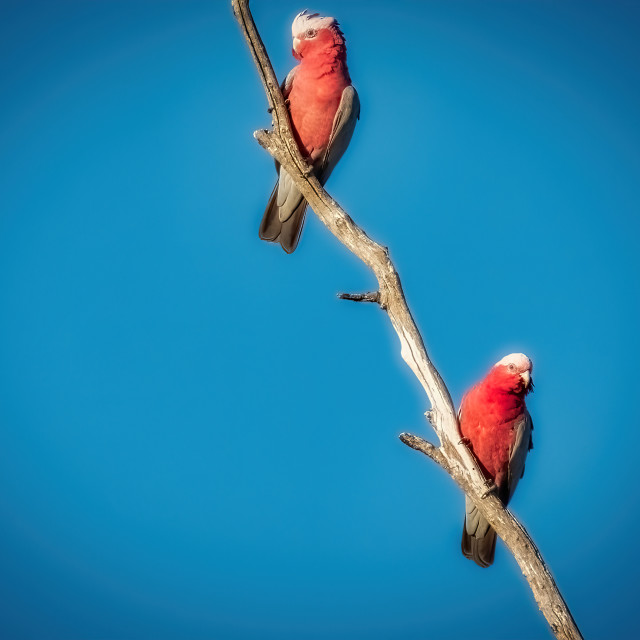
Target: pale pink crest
column 521, row 362
column 305, row 21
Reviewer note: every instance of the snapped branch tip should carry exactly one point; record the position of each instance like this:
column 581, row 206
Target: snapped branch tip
column 371, row 296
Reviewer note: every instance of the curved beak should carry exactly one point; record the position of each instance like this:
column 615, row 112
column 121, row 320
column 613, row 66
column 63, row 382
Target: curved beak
column 528, row 380
column 294, row 51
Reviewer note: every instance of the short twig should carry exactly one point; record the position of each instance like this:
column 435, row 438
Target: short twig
column 372, row 296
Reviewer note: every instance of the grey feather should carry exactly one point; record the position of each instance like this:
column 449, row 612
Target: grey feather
column 289, row 197
column 292, row 228
column 285, row 87
column 286, row 233
column 478, row 538
column 519, row 450
column 344, row 124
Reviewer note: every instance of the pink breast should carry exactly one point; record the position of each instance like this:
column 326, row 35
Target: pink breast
column 489, row 427
column 313, row 106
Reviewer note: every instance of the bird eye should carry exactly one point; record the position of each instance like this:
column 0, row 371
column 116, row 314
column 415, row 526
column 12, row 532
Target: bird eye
column 310, row 33
column 512, row 367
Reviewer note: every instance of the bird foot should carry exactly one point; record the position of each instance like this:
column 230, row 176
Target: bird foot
column 491, row 488
column 287, row 103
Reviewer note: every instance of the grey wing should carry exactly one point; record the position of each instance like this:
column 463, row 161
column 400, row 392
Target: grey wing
column 344, row 124
column 478, row 537
column 285, row 88
column 519, row 450
column 288, row 197
column 287, row 83
column 475, row 524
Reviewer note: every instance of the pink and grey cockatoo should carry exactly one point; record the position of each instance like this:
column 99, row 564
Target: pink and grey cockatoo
column 324, row 108
column 497, row 427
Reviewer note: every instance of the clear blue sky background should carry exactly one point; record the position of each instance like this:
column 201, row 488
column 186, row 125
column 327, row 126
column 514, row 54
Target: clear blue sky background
column 197, row 439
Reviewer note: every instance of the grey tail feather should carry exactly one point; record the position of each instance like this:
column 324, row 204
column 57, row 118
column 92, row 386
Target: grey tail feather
column 479, row 549
column 286, row 233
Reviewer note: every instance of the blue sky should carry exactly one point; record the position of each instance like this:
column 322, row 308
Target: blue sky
column 198, row 439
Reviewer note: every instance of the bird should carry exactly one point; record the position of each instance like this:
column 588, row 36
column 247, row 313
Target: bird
column 496, row 426
column 324, row 108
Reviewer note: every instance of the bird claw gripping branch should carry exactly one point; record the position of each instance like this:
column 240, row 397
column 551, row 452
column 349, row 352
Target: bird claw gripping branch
column 491, row 488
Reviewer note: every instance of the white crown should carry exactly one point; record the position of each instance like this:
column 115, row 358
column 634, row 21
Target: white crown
column 305, row 20
column 519, row 359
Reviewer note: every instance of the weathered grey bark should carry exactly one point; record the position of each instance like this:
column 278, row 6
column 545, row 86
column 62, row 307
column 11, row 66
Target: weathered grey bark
column 452, row 455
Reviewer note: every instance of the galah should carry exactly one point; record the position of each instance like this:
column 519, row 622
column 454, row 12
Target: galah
column 324, row 108
column 495, row 424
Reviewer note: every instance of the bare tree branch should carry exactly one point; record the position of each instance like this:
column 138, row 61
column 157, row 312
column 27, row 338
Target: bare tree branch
column 452, row 454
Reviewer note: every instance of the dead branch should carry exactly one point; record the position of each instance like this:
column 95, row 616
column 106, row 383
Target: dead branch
column 452, row 454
